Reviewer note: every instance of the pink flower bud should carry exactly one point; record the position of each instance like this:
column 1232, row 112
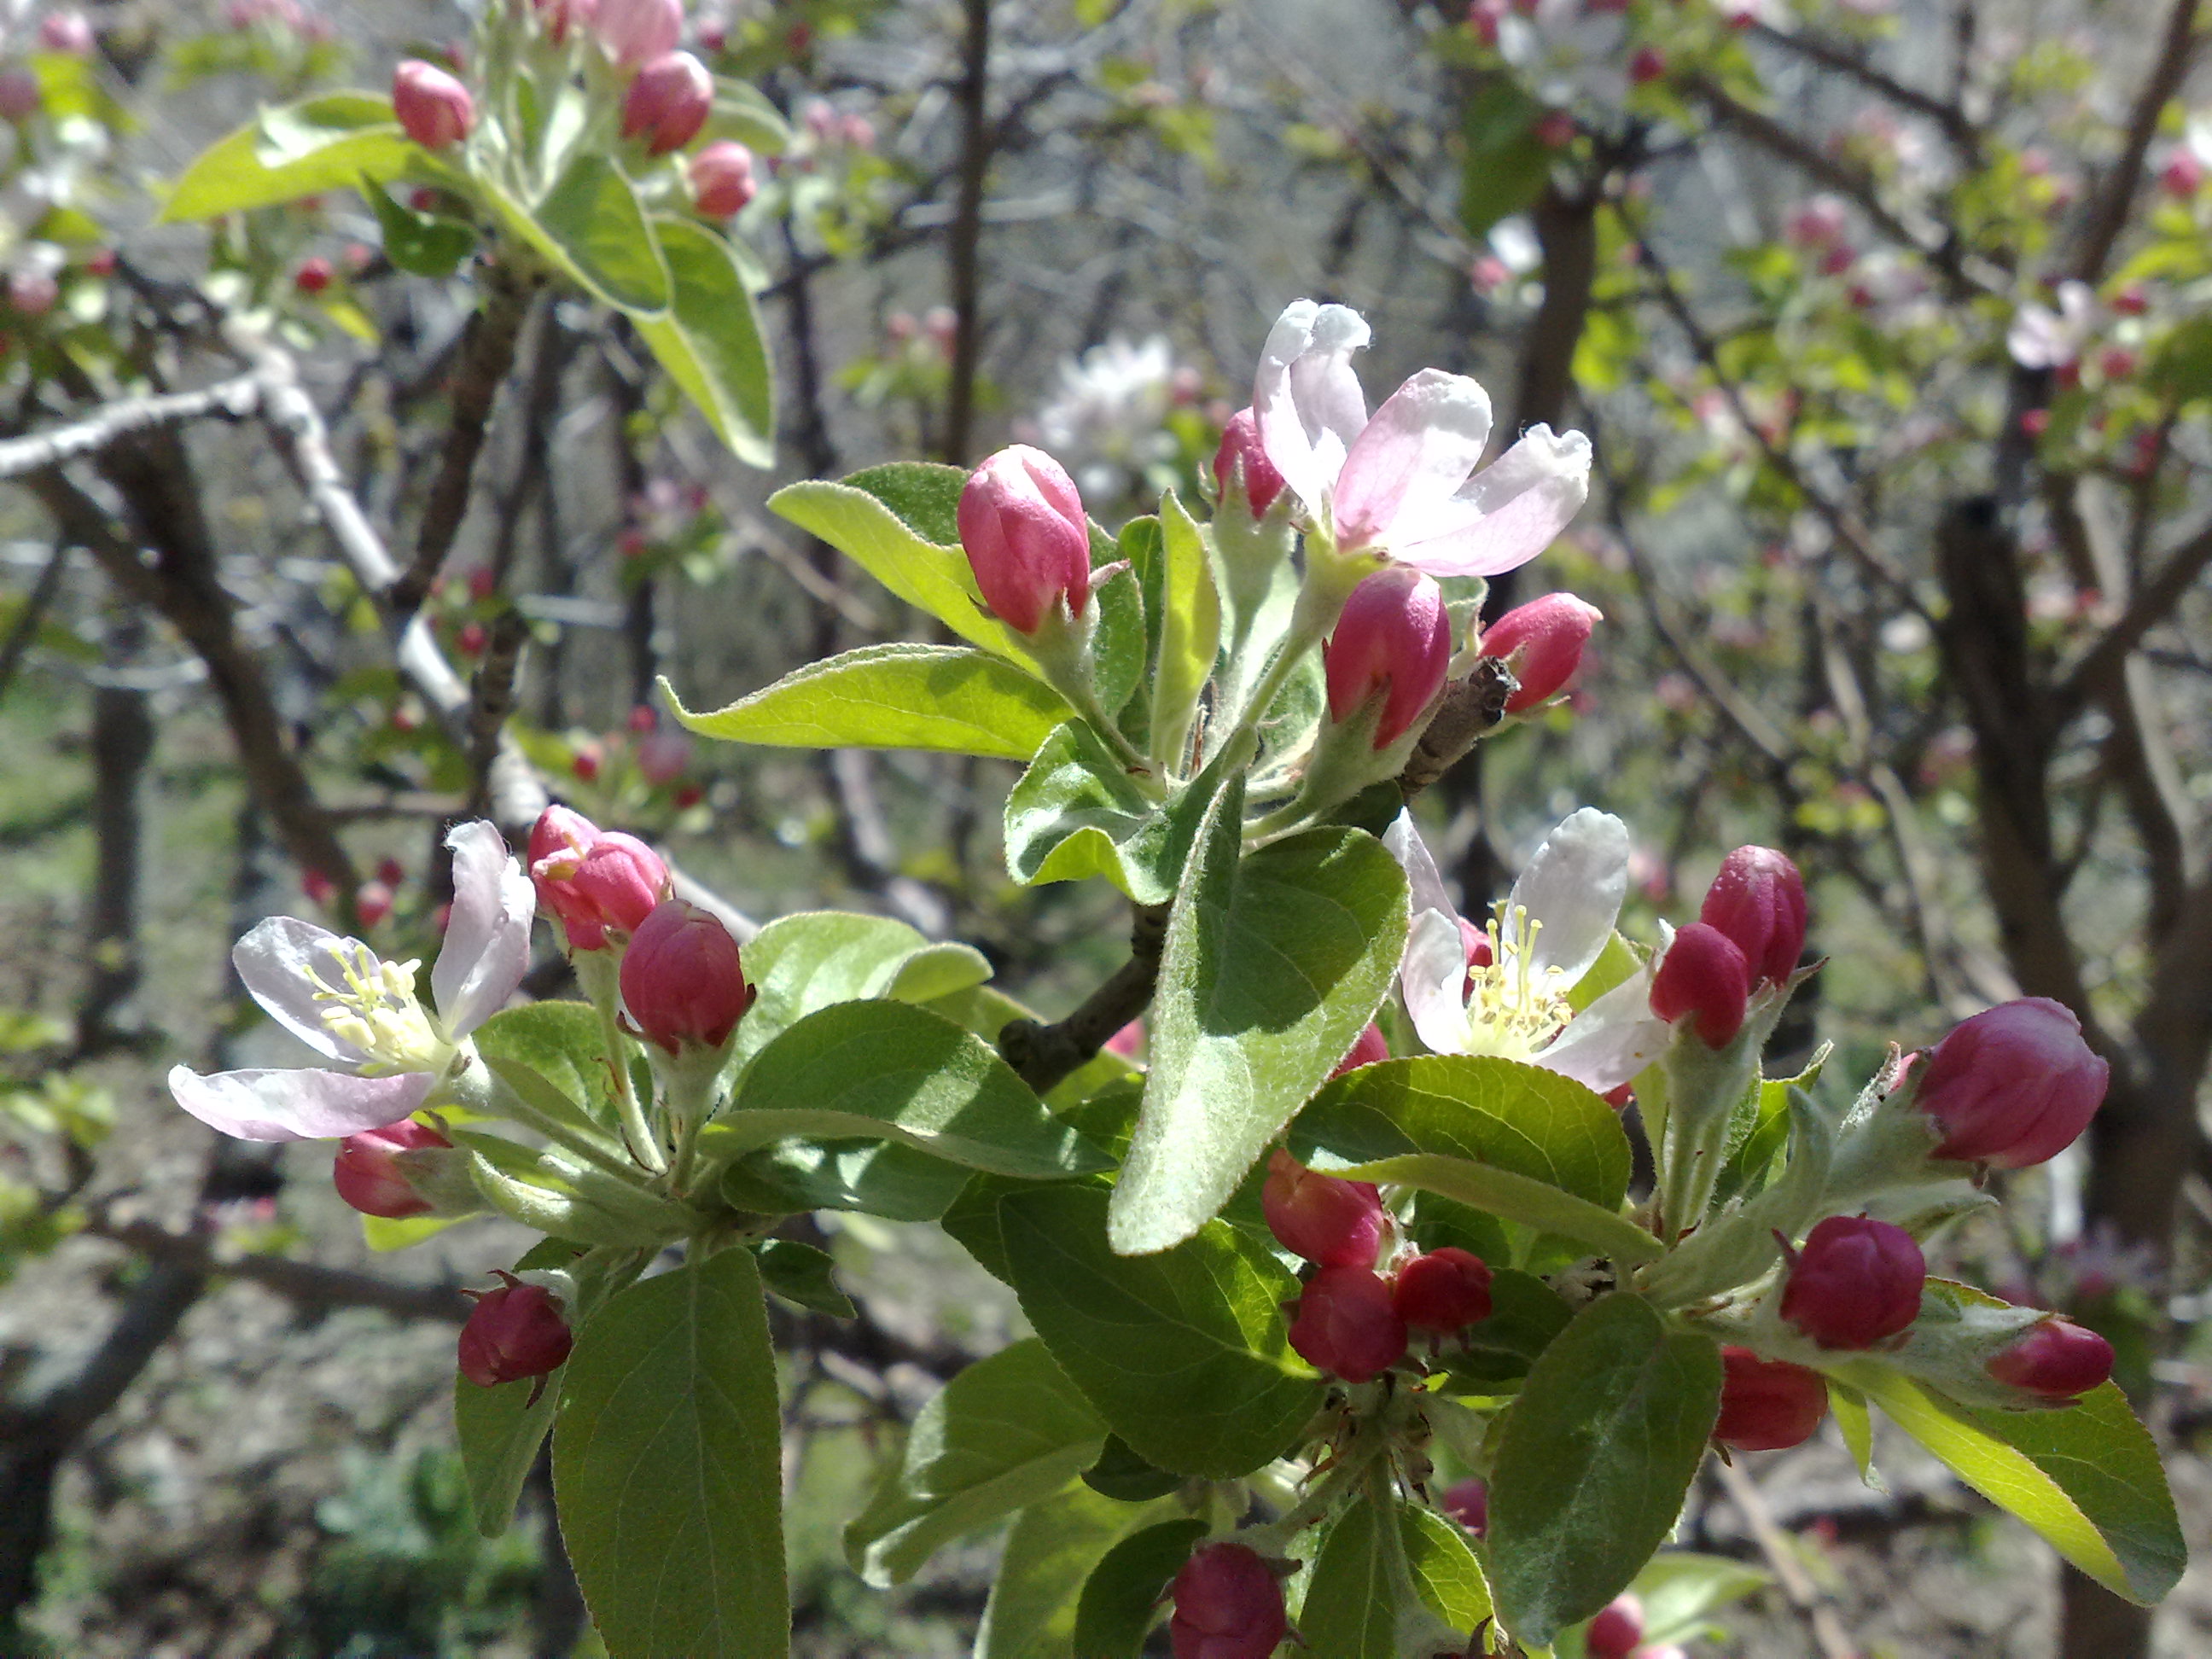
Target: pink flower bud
column 1227, row 1606
column 1240, row 449
column 66, row 32
column 434, row 109
column 1555, row 129
column 391, row 871
column 1649, row 64
column 669, row 101
column 32, row 293
column 682, row 979
column 593, row 879
column 1347, row 1325
column 662, row 755
column 1326, row 1219
column 1767, row 1404
column 1704, row 974
column 1023, row 526
column 1856, row 1283
column 1444, row 1292
column 1541, row 642
column 20, row 96
column 2014, row 1086
column 513, row 1332
column 1368, row 1049
column 1468, row 1503
column 372, row 902
column 2058, row 1359
column 722, row 179
column 313, row 275
column 637, row 31
column 368, row 1174
column 1617, row 1629
column 1395, row 639
column 2182, row 176
column 1758, row 901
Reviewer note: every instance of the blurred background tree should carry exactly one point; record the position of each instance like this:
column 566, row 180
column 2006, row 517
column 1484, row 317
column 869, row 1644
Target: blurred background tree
column 1888, row 319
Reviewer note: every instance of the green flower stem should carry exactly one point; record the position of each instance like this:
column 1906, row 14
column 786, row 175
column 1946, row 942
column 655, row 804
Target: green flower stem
column 603, row 1154
column 688, row 1082
column 1350, row 1469
column 598, row 972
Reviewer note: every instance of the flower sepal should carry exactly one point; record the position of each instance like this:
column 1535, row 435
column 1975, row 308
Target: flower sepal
column 568, row 1197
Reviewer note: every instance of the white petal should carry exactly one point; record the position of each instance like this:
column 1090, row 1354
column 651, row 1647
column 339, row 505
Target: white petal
column 1408, row 461
column 1611, row 1041
column 1516, row 508
column 1433, row 979
column 1282, row 434
column 487, row 948
column 1424, row 884
column 298, row 1104
column 1575, row 885
column 1305, row 399
column 278, row 963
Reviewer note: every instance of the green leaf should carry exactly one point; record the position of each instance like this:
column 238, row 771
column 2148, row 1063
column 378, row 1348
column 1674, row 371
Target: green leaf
column 1120, row 1474
column 891, row 1070
column 812, row 959
column 1074, row 813
column 1681, row 1589
column 1505, row 166
column 941, row 697
column 554, row 1194
column 1273, row 963
column 592, row 226
column 875, row 1177
column 1191, row 630
column 800, row 1273
column 1525, row 1315
column 938, row 971
column 889, row 520
column 1121, row 1600
column 1353, row 1608
column 1052, row 1549
column 1594, row 1458
column 1185, row 1353
column 420, row 244
column 742, row 112
column 1857, row 1424
column 1120, row 652
column 710, row 340
column 1514, row 1139
column 562, row 1043
column 667, row 1467
column 1006, row 1433
column 327, row 143
column 2086, row 1476
column 499, row 1430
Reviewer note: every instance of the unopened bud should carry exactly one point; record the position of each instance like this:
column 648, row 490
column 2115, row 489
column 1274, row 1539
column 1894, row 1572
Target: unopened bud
column 1241, row 451
column 313, row 275
column 433, row 108
column 1617, row 1629
column 1758, row 901
column 668, row 102
column 2058, row 1359
column 593, row 879
column 66, row 32
column 1767, row 1404
column 722, row 180
column 21, row 97
column 32, row 293
column 1541, row 642
column 1393, row 639
column 1703, row 974
column 682, row 979
column 1856, row 1283
column 637, row 31
column 513, row 1332
column 1023, row 527
column 369, row 1177
column 1468, row 1503
column 1228, row 1605
column 1324, row 1218
column 1347, row 1325
column 2013, row 1087
column 1443, row 1291
column 1649, row 64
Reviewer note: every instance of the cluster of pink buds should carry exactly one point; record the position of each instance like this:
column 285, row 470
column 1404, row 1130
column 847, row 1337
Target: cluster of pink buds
column 595, row 881
column 1228, row 1605
column 683, row 980
column 1748, row 936
column 1393, row 643
column 1026, row 536
column 1541, row 643
column 513, row 1332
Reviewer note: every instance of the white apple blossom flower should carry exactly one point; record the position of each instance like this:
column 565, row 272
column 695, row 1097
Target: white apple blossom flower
column 360, row 1012
column 1403, row 483
column 1108, row 421
column 2040, row 337
column 1568, row 51
column 1541, row 941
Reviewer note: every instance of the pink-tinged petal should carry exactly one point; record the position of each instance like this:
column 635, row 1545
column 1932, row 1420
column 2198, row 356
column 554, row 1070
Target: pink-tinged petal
column 487, row 949
column 1574, row 886
column 1433, row 979
column 1611, row 1041
column 1408, row 461
column 1521, row 501
column 278, row 963
column 1424, row 884
column 297, row 1104
column 1306, row 400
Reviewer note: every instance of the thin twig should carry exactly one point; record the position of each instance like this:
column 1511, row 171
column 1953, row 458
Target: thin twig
column 493, row 700
column 230, row 400
column 303, row 1282
column 1043, row 1055
column 967, row 231
column 1964, row 136
column 1470, row 711
column 1817, row 1611
column 2110, row 206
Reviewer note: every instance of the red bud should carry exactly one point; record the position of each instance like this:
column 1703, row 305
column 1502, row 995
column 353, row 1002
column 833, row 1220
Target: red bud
column 1240, row 450
column 635, row 31
column 1703, row 974
column 516, row 1331
column 2014, row 1086
column 722, row 179
column 1541, row 642
column 1856, row 1283
column 1468, row 1503
column 1767, row 1404
column 1023, row 527
column 1347, row 1325
column 1227, row 1606
column 368, row 1175
column 2058, row 1359
column 1758, row 901
column 433, row 108
column 1393, row 639
column 668, row 102
column 1368, row 1049
column 682, row 978
column 1444, row 1292
column 1334, row 1222
column 1617, row 1629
